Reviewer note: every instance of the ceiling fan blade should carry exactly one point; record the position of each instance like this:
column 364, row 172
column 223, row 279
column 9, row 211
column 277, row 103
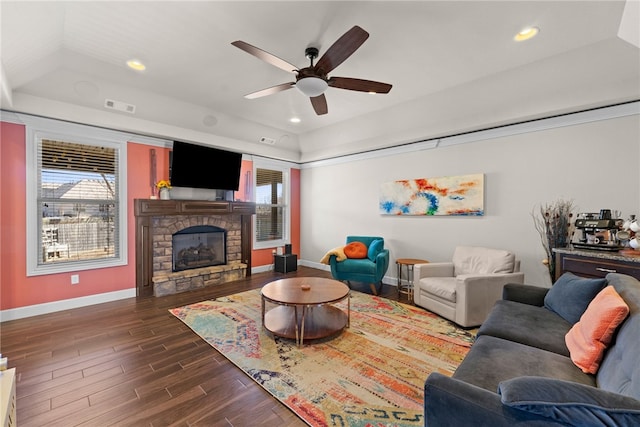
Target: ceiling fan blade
column 342, row 49
column 270, row 90
column 319, row 104
column 359, row 85
column 265, row 56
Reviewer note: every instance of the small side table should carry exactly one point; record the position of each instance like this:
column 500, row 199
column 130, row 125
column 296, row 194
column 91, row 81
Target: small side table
column 408, row 263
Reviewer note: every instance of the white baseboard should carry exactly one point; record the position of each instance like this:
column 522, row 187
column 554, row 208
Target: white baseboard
column 261, row 269
column 313, row 264
column 51, row 307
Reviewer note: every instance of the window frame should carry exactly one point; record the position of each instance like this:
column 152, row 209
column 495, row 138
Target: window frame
column 38, row 129
column 286, row 195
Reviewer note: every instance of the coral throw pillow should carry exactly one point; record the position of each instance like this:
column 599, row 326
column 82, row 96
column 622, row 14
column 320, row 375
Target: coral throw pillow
column 355, row 250
column 588, row 339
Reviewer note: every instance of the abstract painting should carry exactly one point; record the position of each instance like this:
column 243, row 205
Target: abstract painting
column 448, row 195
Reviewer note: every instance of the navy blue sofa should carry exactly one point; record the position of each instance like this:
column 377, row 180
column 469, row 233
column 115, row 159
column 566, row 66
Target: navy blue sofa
column 518, row 371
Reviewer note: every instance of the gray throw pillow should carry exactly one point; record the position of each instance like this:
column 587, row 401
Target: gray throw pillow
column 570, row 403
column 570, row 296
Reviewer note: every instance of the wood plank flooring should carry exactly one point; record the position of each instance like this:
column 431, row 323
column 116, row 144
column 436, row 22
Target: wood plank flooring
column 131, row 363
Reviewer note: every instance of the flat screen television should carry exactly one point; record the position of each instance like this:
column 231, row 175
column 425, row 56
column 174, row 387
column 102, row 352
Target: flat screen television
column 197, row 166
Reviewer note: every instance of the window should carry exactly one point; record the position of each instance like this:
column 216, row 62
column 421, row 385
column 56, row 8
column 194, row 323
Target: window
column 76, row 198
column 271, row 190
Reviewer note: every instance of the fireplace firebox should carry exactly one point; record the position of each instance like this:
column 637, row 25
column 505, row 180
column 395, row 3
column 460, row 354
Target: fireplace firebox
column 199, row 246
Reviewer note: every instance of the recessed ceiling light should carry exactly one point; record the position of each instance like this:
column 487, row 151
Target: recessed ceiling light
column 294, row 120
column 136, row 64
column 526, row 34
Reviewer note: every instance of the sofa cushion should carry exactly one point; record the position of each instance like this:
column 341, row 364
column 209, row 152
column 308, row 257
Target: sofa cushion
column 443, row 287
column 374, row 249
column 357, row 250
column 570, row 295
column 492, row 360
column 514, row 321
column 356, row 266
column 570, row 403
column 525, row 294
column 477, row 260
column 620, row 368
column 588, row 338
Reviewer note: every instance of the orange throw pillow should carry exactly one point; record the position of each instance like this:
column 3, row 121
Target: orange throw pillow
column 355, row 250
column 588, row 339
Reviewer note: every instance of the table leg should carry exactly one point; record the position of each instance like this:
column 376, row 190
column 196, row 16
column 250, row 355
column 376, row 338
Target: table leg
column 304, row 312
column 399, row 276
column 295, row 314
column 349, row 310
column 410, row 282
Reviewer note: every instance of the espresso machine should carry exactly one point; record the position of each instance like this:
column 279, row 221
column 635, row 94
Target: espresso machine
column 598, row 231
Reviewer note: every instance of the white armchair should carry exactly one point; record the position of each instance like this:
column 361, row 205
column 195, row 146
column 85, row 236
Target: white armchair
column 465, row 289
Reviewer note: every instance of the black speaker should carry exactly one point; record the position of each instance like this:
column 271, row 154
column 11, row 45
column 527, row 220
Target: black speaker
column 285, row 263
column 287, row 249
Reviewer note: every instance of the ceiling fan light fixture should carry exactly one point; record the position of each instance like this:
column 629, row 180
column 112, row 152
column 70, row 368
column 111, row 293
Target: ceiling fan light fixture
column 312, row 86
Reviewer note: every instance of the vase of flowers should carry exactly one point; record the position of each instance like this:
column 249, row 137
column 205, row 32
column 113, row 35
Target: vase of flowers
column 554, row 224
column 163, row 187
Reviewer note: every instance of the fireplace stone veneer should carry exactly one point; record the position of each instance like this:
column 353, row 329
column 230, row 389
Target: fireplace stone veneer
column 158, row 220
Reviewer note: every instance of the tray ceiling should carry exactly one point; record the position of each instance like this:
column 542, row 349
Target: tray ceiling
column 454, row 67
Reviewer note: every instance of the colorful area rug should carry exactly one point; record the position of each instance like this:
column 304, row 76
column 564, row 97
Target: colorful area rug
column 372, row 374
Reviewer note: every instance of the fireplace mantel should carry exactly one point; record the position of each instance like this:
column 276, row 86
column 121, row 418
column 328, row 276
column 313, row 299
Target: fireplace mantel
column 154, row 207
column 146, row 210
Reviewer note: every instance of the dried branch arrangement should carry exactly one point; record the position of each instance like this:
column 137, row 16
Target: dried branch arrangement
column 553, row 222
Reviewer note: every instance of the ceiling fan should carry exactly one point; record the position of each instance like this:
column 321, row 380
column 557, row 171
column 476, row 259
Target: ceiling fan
column 314, row 80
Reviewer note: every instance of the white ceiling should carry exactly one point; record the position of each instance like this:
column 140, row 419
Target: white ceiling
column 453, row 64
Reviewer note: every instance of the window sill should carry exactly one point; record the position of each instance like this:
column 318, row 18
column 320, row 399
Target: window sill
column 68, row 267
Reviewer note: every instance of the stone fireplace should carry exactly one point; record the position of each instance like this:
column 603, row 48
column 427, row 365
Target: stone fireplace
column 183, row 244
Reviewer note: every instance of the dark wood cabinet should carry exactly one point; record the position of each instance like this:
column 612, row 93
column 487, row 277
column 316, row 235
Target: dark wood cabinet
column 595, row 264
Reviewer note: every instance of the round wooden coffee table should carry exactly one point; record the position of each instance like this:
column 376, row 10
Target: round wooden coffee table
column 302, row 308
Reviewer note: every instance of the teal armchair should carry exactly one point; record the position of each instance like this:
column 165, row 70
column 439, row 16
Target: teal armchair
column 369, row 270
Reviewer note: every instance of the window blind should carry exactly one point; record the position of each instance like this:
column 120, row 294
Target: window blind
column 78, row 198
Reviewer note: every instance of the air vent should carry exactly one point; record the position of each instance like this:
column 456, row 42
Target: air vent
column 266, row 140
column 120, row 106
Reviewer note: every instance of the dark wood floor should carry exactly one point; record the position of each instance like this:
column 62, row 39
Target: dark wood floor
column 131, row 363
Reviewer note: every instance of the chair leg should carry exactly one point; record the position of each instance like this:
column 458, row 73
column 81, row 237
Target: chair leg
column 374, row 289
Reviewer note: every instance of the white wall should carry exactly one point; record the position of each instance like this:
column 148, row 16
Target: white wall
column 596, row 164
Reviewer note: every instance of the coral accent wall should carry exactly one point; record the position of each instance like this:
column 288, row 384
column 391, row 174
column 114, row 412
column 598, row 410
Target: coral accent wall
column 12, row 213
column 245, row 169
column 18, row 290
column 295, row 211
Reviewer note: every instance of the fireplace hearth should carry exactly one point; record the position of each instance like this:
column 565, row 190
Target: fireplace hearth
column 199, row 246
